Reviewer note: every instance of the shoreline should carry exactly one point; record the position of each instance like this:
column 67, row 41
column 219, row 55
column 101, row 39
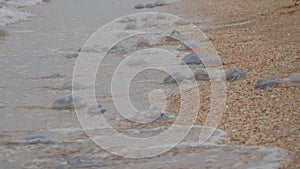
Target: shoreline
column 263, row 39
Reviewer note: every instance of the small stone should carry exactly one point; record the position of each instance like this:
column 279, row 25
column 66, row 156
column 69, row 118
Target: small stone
column 142, row 43
column 149, row 6
column 119, row 49
column 131, row 26
column 71, row 85
column 193, row 59
column 160, row 3
column 139, row 6
column 172, row 78
column 265, row 84
column 190, row 45
column 174, row 36
column 77, row 162
column 233, row 74
column 96, row 109
column 3, row 34
column 36, row 138
column 53, row 76
column 72, row 55
column 68, row 102
column 127, row 19
column 293, row 80
column 201, row 76
column 182, row 22
column 151, row 23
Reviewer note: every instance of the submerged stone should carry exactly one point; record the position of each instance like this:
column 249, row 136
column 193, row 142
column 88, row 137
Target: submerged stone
column 160, row 3
column 172, row 78
column 265, row 84
column 71, row 85
column 77, row 162
column 96, row 109
column 139, row 6
column 131, row 26
column 36, row 138
column 193, row 59
column 149, row 6
column 68, row 102
column 151, row 23
column 233, row 74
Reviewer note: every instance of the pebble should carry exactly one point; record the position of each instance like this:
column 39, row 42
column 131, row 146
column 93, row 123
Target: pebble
column 131, row 26
column 293, row 80
column 160, row 3
column 190, row 45
column 172, row 78
column 127, row 19
column 149, row 6
column 68, row 102
column 76, row 162
column 36, row 138
column 71, row 85
column 72, row 55
column 139, row 6
column 151, row 23
column 265, row 84
column 174, row 36
column 193, row 59
column 142, row 43
column 3, row 33
column 234, row 74
column 53, row 76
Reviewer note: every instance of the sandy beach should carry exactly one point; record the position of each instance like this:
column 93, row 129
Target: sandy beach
column 38, row 57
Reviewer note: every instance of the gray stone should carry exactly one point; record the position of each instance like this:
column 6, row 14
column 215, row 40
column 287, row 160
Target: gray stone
column 72, row 55
column 190, row 45
column 233, row 74
column 131, row 26
column 68, row 102
column 139, row 6
column 3, row 34
column 36, row 138
column 119, row 49
column 149, row 6
column 142, row 43
column 77, row 162
column 174, row 36
column 160, row 3
column 96, row 109
column 128, row 19
column 172, row 78
column 182, row 22
column 193, row 59
column 265, row 84
column 53, row 76
column 151, row 23
column 292, row 81
column 71, row 85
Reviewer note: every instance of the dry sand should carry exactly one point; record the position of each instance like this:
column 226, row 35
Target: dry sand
column 261, row 37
